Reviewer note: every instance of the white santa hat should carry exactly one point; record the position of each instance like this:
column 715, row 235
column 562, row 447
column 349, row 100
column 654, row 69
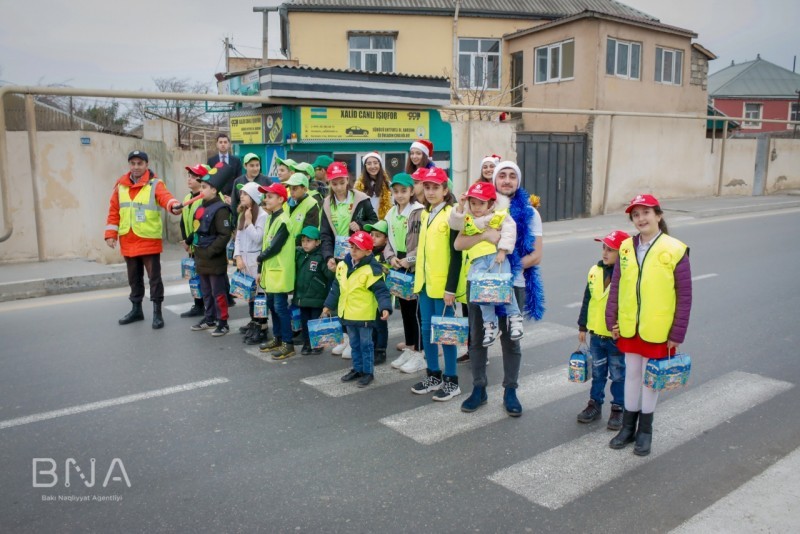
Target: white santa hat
column 372, row 154
column 507, row 165
column 424, row 146
column 494, row 158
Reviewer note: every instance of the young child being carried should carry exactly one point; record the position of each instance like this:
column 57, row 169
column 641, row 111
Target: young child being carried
column 478, row 210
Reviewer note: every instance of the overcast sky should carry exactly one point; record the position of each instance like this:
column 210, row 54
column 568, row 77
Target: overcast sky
column 110, row 44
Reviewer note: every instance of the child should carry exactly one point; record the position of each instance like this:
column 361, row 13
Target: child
column 378, row 232
column 375, row 183
column 304, row 209
column 320, row 178
column 312, row 282
column 284, row 168
column 358, row 293
column 308, row 170
column 401, row 253
column 247, row 245
column 276, row 264
column 210, row 241
column 607, row 360
column 649, row 302
column 419, row 156
column 345, row 211
column 487, row 168
column 438, row 268
column 485, row 210
column 252, row 167
column 194, row 177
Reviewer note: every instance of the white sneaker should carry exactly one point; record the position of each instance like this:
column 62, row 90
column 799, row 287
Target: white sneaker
column 403, row 358
column 490, row 333
column 415, row 363
column 348, row 353
column 515, row 327
column 339, row 349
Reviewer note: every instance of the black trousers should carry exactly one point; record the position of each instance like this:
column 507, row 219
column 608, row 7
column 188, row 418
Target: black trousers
column 307, row 314
column 411, row 323
column 136, row 268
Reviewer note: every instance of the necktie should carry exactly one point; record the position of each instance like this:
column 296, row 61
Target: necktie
column 225, row 159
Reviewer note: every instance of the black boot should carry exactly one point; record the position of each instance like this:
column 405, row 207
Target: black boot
column 158, row 319
column 628, row 432
column 380, row 356
column 259, row 337
column 134, row 315
column 644, row 435
column 251, row 331
column 198, row 310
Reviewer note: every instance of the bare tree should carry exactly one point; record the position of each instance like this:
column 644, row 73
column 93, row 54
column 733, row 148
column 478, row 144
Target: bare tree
column 186, row 113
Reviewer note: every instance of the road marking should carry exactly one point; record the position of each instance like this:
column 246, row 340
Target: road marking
column 127, row 399
column 763, row 504
column 330, row 384
column 433, row 423
column 562, row 474
column 178, row 309
column 703, row 276
column 574, row 305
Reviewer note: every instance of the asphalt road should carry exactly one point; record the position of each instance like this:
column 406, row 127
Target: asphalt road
column 248, row 445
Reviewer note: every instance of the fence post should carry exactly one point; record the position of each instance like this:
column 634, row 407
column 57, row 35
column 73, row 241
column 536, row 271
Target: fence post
column 33, row 151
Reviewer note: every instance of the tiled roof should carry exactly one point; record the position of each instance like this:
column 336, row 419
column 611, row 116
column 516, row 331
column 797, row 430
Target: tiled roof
column 757, row 78
column 546, row 9
column 354, row 71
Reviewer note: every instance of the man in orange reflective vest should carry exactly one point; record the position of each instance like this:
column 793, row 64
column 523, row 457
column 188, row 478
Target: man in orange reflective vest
column 135, row 219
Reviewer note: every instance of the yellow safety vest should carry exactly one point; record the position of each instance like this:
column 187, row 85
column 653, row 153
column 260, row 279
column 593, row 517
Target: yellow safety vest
column 483, row 248
column 434, row 243
column 356, row 301
column 277, row 273
column 647, row 295
column 297, row 217
column 140, row 214
column 598, row 297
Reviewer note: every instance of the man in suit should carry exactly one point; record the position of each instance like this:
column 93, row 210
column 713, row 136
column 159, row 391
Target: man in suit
column 224, row 155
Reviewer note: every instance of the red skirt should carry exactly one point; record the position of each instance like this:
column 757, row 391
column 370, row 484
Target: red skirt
column 637, row 345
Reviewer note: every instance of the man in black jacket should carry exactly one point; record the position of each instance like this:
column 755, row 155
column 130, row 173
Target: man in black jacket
column 225, row 156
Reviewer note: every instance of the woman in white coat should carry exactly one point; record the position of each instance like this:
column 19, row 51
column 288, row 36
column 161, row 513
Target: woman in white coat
column 249, row 237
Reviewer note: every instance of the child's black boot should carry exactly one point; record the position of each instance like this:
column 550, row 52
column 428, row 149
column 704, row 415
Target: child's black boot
column 628, row 432
column 644, row 435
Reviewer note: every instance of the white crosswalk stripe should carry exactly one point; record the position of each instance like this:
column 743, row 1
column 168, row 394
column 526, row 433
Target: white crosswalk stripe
column 560, row 475
column 433, row 423
column 536, row 334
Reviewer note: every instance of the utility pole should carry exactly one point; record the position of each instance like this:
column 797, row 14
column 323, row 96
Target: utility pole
column 227, row 55
column 265, row 11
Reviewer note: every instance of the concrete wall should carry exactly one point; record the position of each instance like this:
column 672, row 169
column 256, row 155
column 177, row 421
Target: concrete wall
column 783, row 171
column 488, row 137
column 76, row 182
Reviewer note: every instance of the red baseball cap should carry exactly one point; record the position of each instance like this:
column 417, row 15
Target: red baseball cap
column 276, row 189
column 482, row 191
column 198, row 170
column 614, row 239
column 418, row 174
column 337, row 169
column 434, row 175
column 362, row 240
column 642, row 200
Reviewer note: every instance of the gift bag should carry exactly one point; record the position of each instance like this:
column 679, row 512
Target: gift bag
column 580, row 365
column 260, row 306
column 194, row 287
column 341, row 247
column 243, row 285
column 297, row 322
column 491, row 288
column 449, row 330
column 229, row 249
column 187, row 268
column 401, row 284
column 325, row 332
column 668, row 373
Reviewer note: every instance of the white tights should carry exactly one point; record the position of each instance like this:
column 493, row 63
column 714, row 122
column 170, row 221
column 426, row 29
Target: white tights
column 637, row 397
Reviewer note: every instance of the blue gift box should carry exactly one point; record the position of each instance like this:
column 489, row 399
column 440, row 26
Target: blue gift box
column 580, row 366
column 260, row 307
column 297, row 322
column 194, row 287
column 491, row 288
column 449, row 330
column 400, row 284
column 187, row 268
column 341, row 247
column 325, row 332
column 243, row 285
column 229, row 249
column 668, row 373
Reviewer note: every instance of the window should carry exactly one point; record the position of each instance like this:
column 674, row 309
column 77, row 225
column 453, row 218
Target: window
column 479, row 64
column 374, row 53
column 794, row 114
column 752, row 111
column 669, row 66
column 623, row 58
column 555, row 62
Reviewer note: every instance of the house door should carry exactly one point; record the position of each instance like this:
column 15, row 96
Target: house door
column 553, row 166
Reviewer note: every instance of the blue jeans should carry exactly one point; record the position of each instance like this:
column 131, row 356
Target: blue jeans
column 278, row 304
column 428, row 307
column 362, row 347
column 485, row 264
column 607, row 362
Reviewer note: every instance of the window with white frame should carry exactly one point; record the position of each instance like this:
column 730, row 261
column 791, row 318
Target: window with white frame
column 373, row 53
column 752, row 110
column 479, row 63
column 623, row 58
column 669, row 66
column 555, row 62
column 794, row 114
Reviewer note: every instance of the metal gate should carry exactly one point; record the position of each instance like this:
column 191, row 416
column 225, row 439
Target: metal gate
column 554, row 167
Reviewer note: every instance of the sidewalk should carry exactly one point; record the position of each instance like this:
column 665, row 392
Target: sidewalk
column 37, row 279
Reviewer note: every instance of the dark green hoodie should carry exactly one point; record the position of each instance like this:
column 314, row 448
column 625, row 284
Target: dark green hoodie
column 313, row 279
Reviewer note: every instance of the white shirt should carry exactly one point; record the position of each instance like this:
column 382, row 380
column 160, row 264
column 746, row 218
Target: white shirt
column 642, row 248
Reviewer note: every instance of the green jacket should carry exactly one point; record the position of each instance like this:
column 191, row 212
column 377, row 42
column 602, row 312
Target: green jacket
column 313, row 279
